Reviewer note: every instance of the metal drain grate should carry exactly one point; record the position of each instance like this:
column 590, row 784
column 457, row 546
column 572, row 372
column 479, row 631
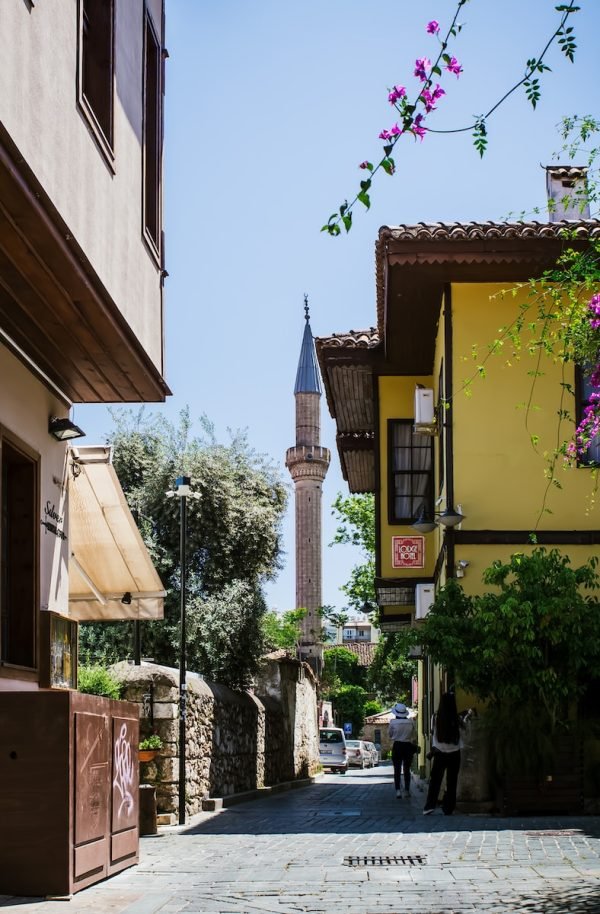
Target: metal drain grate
column 404, row 860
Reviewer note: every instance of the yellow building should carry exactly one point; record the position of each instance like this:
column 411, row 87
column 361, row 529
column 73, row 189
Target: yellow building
column 453, row 457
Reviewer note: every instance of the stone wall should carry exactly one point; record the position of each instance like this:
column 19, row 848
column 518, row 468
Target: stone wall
column 234, row 741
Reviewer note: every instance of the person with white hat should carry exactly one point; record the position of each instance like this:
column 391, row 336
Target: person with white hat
column 401, row 731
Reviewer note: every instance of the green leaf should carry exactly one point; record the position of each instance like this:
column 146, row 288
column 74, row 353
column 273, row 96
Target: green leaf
column 364, row 199
column 365, row 185
column 347, row 220
column 388, row 165
column 436, row 70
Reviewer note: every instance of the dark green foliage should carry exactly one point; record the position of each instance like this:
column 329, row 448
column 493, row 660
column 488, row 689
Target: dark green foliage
column 373, row 707
column 392, row 672
column 233, row 541
column 356, row 517
column 95, row 679
column 340, row 667
column 349, row 702
column 226, row 635
column 527, row 648
column 282, row 630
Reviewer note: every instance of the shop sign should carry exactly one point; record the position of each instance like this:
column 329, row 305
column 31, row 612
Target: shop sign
column 408, row 552
column 53, row 521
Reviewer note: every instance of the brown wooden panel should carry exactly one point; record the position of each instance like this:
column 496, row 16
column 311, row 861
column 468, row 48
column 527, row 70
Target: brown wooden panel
column 125, row 774
column 123, row 845
column 90, row 858
column 91, row 777
column 34, row 793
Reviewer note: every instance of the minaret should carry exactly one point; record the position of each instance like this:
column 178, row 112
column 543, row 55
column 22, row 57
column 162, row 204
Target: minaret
column 308, row 463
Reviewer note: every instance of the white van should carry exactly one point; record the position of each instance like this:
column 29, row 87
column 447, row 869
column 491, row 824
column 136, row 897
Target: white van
column 332, row 749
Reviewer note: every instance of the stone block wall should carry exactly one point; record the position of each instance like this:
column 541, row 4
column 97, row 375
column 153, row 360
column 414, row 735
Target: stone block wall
column 234, row 741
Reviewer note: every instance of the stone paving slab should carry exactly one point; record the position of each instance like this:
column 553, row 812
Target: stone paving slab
column 284, row 854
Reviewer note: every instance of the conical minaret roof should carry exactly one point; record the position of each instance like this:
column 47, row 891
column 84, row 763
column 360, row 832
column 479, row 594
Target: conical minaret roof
column 307, row 376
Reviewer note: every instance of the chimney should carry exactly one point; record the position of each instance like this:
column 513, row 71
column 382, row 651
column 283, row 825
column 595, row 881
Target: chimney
column 566, row 188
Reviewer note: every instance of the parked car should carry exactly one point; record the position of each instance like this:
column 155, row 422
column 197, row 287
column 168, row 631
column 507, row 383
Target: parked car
column 358, row 754
column 374, row 753
column 332, row 749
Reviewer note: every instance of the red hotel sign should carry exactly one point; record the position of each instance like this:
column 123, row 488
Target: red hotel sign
column 408, row 552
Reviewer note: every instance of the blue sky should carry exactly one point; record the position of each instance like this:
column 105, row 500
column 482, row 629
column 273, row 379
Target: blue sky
column 270, row 106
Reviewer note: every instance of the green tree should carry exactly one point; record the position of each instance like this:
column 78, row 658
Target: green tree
column 392, row 671
column 356, row 526
column 283, row 630
column 349, row 704
column 233, row 539
column 340, row 667
column 527, row 648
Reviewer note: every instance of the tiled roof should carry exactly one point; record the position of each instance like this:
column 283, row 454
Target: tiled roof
column 459, row 231
column 354, row 339
column 365, row 651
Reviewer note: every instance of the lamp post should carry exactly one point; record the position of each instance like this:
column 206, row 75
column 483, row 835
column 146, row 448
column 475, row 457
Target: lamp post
column 182, row 490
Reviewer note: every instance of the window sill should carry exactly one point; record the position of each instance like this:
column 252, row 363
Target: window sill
column 12, row 671
column 151, row 247
column 105, row 148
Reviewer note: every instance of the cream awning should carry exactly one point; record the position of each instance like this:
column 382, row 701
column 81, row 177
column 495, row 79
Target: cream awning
column 108, row 558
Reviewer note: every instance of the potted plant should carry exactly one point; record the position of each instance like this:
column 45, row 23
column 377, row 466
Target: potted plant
column 149, row 748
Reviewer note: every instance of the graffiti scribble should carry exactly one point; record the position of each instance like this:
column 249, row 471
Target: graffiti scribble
column 123, row 771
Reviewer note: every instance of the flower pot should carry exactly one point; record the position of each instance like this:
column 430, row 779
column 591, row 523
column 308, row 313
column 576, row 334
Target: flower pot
column 147, row 755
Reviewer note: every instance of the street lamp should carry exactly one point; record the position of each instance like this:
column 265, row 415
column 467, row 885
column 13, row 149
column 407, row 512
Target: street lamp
column 182, row 491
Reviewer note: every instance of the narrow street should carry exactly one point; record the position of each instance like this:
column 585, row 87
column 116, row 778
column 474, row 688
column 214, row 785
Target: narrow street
column 346, row 845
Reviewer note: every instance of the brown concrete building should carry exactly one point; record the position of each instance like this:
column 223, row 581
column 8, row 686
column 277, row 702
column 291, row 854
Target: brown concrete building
column 81, row 321
column 308, row 463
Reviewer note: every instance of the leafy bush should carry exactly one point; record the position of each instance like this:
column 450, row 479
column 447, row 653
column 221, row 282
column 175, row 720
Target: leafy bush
column 97, row 680
column 151, row 742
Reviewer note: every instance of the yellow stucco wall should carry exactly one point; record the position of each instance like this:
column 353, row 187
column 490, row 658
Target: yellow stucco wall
column 396, row 401
column 498, row 476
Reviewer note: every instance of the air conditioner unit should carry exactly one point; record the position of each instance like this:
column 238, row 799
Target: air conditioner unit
column 424, row 597
column 425, row 421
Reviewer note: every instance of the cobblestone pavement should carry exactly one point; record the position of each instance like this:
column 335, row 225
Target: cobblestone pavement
column 346, row 845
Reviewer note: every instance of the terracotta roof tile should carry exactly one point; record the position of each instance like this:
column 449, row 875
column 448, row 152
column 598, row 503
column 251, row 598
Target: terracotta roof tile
column 460, row 231
column 365, row 651
column 354, row 339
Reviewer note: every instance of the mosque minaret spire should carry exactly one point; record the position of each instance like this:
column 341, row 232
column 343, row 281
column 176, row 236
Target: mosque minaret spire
column 308, row 463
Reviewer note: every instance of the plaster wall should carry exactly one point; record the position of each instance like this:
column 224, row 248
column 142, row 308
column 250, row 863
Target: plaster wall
column 498, row 475
column 397, row 401
column 25, row 407
column 38, row 107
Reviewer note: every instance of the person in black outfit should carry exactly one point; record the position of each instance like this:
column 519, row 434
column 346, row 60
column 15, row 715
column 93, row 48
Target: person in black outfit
column 446, row 745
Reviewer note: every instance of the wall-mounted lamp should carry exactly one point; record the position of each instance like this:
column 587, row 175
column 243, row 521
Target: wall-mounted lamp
column 425, row 523
column 64, row 429
column 460, row 568
column 126, row 598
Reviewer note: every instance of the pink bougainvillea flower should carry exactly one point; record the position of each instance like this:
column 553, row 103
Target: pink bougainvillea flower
column 431, row 97
column 433, row 27
column 396, row 93
column 417, row 129
column 422, row 64
column 391, row 133
column 453, row 66
column 594, row 307
column 595, row 377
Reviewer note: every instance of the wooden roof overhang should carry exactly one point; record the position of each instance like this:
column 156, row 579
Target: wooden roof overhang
column 414, row 263
column 53, row 307
column 347, row 363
